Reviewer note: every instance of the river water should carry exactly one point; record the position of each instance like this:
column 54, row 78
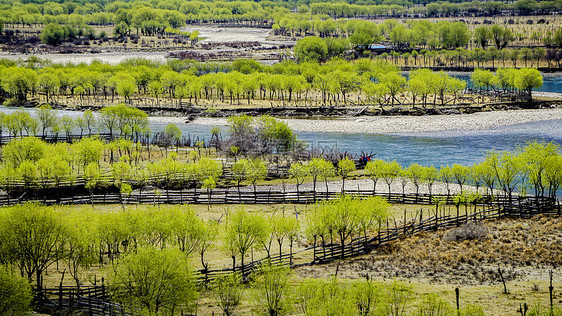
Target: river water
column 428, row 148
column 550, row 84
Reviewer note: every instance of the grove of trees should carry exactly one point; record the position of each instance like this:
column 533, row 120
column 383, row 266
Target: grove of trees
column 336, row 82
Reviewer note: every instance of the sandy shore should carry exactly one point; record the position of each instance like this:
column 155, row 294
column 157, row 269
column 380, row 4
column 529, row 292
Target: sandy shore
column 411, row 124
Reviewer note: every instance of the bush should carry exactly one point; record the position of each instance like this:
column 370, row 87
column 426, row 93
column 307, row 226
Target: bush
column 52, row 34
column 468, row 231
column 229, row 292
column 433, row 305
column 15, row 293
column 472, row 310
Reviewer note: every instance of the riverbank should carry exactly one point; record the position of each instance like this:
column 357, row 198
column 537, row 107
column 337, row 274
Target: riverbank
column 408, row 124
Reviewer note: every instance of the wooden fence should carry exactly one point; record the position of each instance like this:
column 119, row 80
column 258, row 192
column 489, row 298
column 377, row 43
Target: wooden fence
column 177, row 179
column 91, row 300
column 95, row 300
column 233, row 196
column 519, row 208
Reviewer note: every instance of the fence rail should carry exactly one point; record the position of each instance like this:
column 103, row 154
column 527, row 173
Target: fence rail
column 232, row 196
column 94, row 300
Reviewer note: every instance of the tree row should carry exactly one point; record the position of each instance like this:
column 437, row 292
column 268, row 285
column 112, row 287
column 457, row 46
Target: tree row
column 337, row 82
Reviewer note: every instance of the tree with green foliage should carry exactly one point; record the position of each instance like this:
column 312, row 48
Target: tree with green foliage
column 311, row 48
column 53, row 34
column 536, row 159
column 88, row 150
column 126, row 88
column 482, row 36
column 18, row 81
column 121, row 29
column 48, row 83
column 484, row 79
column 81, row 236
column 229, row 293
column 415, row 173
column 15, row 293
column 173, row 133
column 242, row 232
column 446, row 176
column 34, row 237
column 272, row 289
column 345, row 167
column 154, row 281
column 501, row 36
column 299, row 172
column 93, row 178
column 374, row 169
column 430, row 175
column 390, row 171
column 46, row 118
column 257, row 171
column 26, row 149
column 508, row 169
column 461, row 174
column 284, row 228
column 345, row 216
column 395, row 84
column 240, row 170
column 528, row 79
column 319, row 167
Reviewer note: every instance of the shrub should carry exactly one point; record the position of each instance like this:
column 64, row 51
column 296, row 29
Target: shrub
column 15, row 293
column 229, row 292
column 472, row 310
column 468, row 231
column 433, row 305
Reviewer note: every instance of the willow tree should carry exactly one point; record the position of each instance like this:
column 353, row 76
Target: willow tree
column 153, row 281
column 374, row 169
column 346, row 216
column 390, row 171
column 299, row 172
column 242, row 232
column 318, row 168
column 34, row 237
column 345, row 167
column 415, row 173
column 508, row 169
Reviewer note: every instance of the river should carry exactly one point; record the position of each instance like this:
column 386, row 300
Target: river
column 550, row 83
column 427, row 148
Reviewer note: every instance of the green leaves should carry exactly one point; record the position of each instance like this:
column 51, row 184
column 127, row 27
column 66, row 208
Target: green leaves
column 242, row 232
column 33, row 238
column 257, row 135
column 53, row 34
column 311, row 48
column 87, row 150
column 15, row 293
column 153, row 280
column 345, row 216
column 25, row 149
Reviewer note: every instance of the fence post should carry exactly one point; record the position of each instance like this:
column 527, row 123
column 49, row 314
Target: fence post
column 404, row 223
column 60, row 295
column 457, row 294
column 102, row 287
column 379, row 234
column 314, row 250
